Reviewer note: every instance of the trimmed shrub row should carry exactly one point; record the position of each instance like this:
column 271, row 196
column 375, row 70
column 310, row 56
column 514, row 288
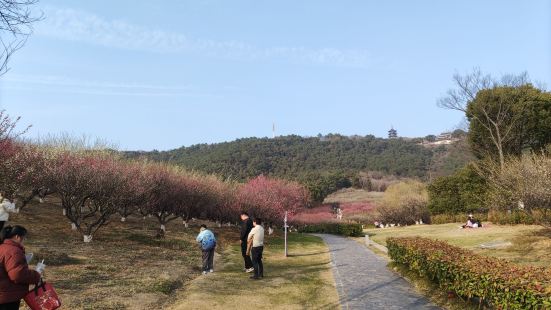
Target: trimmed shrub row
column 538, row 217
column 456, row 218
column 344, row 229
column 498, row 283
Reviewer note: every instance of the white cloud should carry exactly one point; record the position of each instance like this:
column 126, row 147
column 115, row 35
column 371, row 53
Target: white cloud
column 73, row 25
column 62, row 84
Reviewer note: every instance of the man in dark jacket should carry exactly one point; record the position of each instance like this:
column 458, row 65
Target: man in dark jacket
column 246, row 226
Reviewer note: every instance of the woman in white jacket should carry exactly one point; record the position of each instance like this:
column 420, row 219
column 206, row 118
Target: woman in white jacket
column 6, row 206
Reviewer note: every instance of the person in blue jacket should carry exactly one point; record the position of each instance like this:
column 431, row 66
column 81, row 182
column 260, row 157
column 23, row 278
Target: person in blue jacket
column 207, row 242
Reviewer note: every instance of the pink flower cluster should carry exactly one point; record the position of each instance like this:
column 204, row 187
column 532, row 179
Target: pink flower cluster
column 324, row 213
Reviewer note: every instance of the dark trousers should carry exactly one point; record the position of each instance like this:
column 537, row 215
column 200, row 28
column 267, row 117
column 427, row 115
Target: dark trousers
column 10, row 306
column 208, row 259
column 247, row 258
column 2, row 223
column 256, row 253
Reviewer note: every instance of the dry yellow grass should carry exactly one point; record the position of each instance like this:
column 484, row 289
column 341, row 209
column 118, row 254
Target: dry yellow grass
column 123, row 268
column 126, row 268
column 531, row 244
column 302, row 281
column 348, row 195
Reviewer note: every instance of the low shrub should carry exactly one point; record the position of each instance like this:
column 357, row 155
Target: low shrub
column 404, row 203
column 493, row 281
column 514, row 217
column 456, row 218
column 344, row 229
column 521, row 187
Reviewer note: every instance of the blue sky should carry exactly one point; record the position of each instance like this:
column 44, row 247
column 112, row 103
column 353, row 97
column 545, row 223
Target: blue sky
column 162, row 74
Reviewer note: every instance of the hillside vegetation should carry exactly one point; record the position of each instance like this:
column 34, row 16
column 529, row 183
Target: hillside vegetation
column 295, row 157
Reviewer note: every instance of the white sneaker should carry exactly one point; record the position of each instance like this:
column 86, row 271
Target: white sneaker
column 204, row 272
column 211, row 270
column 249, row 270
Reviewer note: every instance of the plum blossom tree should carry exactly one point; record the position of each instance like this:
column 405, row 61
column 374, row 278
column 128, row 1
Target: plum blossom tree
column 89, row 185
column 270, row 198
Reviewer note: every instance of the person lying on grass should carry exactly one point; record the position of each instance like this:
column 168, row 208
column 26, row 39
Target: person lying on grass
column 207, row 242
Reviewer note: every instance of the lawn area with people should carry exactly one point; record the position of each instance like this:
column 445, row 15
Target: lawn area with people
column 504, row 241
column 127, row 268
column 124, row 268
column 303, row 280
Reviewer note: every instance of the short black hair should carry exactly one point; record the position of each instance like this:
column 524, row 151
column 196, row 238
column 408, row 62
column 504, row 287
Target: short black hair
column 9, row 232
column 244, row 213
column 257, row 220
column 204, row 226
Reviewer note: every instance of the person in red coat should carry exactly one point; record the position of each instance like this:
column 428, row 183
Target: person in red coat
column 15, row 275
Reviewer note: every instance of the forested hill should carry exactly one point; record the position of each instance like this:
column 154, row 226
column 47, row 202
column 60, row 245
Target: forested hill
column 293, row 157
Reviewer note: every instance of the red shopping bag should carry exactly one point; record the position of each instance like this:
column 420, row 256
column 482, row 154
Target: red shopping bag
column 42, row 297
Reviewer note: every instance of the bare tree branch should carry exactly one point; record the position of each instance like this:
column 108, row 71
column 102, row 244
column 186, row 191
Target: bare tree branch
column 16, row 21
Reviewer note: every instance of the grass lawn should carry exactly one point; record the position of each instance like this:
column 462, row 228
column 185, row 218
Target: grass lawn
column 531, row 244
column 302, row 281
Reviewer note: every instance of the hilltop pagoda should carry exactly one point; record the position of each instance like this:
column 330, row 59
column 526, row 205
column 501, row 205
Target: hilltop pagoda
column 392, row 133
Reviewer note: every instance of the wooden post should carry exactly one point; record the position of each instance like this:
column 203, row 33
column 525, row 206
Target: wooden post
column 285, row 226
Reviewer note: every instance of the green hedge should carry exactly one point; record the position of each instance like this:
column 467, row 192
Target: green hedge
column 538, row 217
column 499, row 283
column 456, row 218
column 351, row 230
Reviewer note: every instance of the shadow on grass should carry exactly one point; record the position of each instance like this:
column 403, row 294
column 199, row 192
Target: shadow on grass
column 546, row 232
column 307, row 254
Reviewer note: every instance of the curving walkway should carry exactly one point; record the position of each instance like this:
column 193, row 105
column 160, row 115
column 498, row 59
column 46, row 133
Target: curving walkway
column 364, row 281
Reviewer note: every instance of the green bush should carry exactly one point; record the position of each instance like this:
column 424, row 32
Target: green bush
column 456, row 218
column 460, row 193
column 496, row 282
column 344, row 229
column 320, row 185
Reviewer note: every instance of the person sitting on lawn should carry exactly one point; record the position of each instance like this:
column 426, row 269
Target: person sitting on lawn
column 472, row 222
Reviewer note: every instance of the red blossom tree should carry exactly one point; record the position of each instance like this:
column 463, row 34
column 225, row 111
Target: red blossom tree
column 270, row 198
column 163, row 200
column 89, row 185
column 12, row 170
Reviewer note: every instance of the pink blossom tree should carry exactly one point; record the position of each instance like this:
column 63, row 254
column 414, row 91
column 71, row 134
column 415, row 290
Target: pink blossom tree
column 270, row 198
column 89, row 184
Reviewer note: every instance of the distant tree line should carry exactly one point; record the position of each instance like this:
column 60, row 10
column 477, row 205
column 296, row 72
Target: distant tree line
column 324, row 163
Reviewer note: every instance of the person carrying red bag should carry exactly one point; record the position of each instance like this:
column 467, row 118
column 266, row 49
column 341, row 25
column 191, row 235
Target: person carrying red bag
column 15, row 275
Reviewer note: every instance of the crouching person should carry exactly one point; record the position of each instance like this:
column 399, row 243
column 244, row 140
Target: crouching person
column 256, row 236
column 207, row 242
column 15, row 275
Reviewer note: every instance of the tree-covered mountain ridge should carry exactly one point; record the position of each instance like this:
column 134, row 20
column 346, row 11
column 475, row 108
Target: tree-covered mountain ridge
column 294, row 157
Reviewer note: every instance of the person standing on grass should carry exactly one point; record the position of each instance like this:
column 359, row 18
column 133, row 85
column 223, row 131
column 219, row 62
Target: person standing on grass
column 207, row 242
column 6, row 207
column 257, row 237
column 246, row 227
column 15, row 275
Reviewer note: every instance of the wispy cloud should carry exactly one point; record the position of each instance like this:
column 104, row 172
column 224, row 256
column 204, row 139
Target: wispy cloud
column 74, row 25
column 63, row 84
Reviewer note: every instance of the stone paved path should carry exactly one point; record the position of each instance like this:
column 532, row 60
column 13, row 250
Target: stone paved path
column 364, row 281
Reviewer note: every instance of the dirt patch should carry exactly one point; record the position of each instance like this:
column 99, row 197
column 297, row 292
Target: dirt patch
column 123, row 268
